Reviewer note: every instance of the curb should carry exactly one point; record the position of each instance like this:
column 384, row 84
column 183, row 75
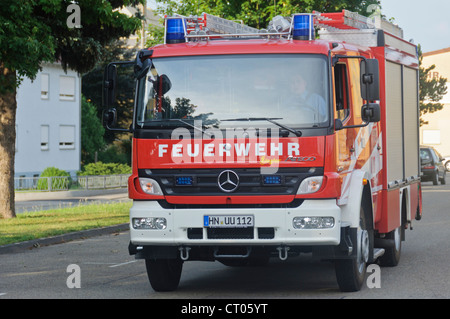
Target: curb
column 40, row 242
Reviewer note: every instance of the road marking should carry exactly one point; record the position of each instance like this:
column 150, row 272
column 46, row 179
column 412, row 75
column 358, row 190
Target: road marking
column 122, row 264
column 2, row 293
column 436, row 190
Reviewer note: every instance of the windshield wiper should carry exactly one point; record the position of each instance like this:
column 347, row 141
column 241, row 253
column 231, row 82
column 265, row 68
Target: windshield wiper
column 271, row 120
column 184, row 122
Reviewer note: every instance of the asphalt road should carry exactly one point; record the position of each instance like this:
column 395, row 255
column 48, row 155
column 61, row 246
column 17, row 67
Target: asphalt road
column 104, row 269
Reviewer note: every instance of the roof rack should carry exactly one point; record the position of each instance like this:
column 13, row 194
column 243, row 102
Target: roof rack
column 299, row 26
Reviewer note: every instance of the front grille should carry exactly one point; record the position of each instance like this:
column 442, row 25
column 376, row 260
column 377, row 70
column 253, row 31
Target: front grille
column 204, row 182
column 230, row 233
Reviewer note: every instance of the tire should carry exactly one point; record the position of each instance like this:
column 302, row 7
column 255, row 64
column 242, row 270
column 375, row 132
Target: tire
column 443, row 179
column 391, row 256
column 447, row 166
column 351, row 273
column 435, row 178
column 164, row 274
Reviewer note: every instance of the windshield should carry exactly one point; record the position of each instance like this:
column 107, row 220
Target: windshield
column 230, row 91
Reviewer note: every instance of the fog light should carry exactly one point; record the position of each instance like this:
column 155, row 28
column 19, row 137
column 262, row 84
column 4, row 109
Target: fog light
column 159, row 223
column 313, row 222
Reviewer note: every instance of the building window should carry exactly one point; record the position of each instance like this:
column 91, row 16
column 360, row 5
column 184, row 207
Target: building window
column 45, row 133
column 67, row 137
column 67, row 88
column 44, row 86
column 431, row 137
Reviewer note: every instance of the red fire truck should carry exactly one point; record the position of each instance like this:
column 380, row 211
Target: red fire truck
column 250, row 144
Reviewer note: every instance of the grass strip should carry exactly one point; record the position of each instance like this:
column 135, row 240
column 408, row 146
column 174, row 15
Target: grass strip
column 41, row 224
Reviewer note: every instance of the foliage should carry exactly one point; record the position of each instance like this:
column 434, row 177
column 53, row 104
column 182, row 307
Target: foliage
column 57, row 183
column 101, row 168
column 92, row 84
column 92, row 132
column 37, row 30
column 118, row 152
column 432, row 90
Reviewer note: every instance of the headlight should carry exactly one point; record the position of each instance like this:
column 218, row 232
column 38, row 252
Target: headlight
column 150, row 186
column 313, row 222
column 159, row 223
column 310, row 185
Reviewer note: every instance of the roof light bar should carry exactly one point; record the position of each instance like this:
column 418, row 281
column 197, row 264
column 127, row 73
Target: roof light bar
column 175, row 31
column 303, row 26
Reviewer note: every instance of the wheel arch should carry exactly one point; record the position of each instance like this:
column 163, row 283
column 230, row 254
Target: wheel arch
column 361, row 193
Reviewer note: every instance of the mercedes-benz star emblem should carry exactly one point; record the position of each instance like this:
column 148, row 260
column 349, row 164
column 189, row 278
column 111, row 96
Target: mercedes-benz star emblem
column 228, row 181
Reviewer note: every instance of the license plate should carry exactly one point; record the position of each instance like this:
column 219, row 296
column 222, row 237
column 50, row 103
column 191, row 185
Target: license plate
column 231, row 221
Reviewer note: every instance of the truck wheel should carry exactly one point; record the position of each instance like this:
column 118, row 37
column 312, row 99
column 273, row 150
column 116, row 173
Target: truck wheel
column 350, row 273
column 164, row 274
column 391, row 255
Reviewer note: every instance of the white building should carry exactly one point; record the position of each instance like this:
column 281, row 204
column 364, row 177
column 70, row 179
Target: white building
column 48, row 122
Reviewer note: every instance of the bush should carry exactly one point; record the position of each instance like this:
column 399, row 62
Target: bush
column 101, row 168
column 57, row 183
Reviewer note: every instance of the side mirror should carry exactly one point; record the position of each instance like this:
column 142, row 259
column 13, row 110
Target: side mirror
column 109, row 85
column 109, row 118
column 370, row 80
column 371, row 113
column 162, row 85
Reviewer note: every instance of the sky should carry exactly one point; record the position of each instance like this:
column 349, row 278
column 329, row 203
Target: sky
column 427, row 22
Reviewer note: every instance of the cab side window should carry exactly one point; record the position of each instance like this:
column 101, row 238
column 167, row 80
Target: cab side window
column 341, row 89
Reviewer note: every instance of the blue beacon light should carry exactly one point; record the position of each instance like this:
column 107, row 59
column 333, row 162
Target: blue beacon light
column 175, row 30
column 303, row 27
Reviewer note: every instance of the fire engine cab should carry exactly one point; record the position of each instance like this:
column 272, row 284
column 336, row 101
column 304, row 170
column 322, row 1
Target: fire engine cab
column 250, row 144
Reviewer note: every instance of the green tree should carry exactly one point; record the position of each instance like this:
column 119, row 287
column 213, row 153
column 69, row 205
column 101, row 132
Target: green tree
column 431, row 89
column 92, row 84
column 36, row 31
column 92, row 132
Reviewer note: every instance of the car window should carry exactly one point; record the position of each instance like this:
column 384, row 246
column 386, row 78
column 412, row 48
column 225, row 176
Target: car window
column 435, row 156
column 425, row 154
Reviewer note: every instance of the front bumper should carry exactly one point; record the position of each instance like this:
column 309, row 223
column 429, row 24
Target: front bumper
column 272, row 226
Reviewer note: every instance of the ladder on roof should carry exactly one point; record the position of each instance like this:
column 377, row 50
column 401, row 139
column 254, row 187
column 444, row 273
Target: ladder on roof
column 210, row 26
column 210, row 23
column 347, row 20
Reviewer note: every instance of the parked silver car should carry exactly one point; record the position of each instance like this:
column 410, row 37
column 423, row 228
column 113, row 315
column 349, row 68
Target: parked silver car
column 447, row 163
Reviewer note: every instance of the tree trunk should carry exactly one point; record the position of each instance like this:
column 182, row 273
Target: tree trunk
column 8, row 106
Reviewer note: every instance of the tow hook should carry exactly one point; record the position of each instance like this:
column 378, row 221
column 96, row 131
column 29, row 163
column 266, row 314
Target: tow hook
column 283, row 252
column 184, row 253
